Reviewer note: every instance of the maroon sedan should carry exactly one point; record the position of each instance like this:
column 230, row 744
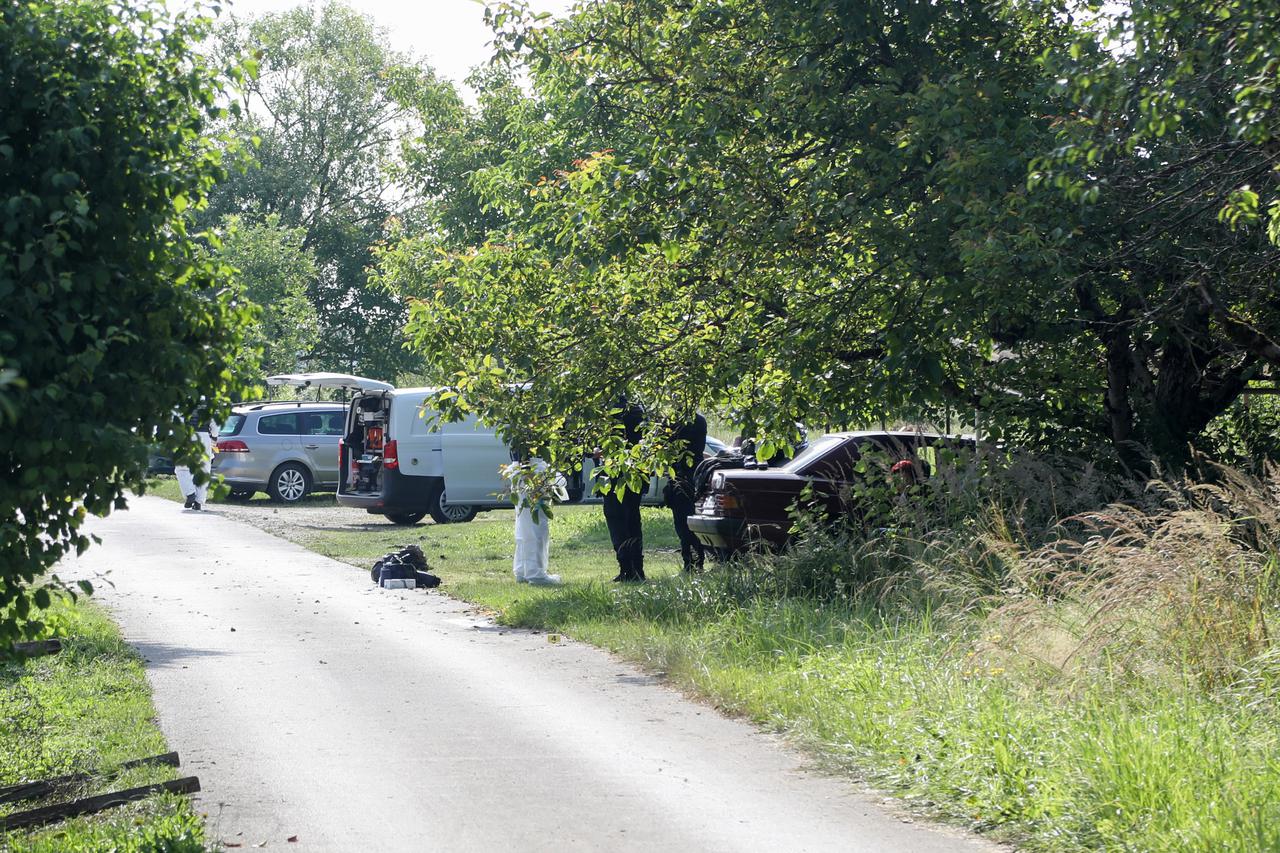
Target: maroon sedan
column 745, row 505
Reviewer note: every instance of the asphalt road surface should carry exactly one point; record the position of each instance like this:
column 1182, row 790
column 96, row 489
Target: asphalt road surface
column 312, row 705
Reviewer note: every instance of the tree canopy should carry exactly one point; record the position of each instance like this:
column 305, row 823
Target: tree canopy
column 273, row 272
column 1047, row 219
column 327, row 111
column 118, row 330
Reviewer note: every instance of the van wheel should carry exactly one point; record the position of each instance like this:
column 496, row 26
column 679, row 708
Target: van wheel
column 445, row 513
column 289, row 483
column 404, row 518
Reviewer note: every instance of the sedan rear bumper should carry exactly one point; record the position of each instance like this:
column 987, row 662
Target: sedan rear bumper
column 717, row 532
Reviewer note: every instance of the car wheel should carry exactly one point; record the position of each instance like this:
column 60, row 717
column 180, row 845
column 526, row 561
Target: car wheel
column 445, row 513
column 241, row 495
column 404, row 518
column 289, row 483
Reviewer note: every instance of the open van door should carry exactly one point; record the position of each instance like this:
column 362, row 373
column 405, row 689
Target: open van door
column 330, row 380
column 473, row 453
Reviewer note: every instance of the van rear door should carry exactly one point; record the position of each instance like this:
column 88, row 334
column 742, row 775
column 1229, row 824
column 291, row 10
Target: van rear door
column 473, row 454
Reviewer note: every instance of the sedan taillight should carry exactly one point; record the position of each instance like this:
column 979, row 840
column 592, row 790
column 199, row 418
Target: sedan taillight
column 232, row 445
column 721, row 504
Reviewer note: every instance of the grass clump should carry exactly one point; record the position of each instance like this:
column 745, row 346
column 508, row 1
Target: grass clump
column 88, row 709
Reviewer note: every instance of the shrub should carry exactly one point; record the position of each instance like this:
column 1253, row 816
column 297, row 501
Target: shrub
column 116, row 328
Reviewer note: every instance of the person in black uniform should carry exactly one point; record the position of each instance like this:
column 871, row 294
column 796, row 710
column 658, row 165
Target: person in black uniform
column 622, row 512
column 691, row 439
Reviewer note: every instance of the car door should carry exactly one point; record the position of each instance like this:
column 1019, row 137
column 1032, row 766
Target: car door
column 320, row 434
column 473, row 455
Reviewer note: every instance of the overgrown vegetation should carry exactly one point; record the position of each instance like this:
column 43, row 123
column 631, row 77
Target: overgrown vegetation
column 88, row 709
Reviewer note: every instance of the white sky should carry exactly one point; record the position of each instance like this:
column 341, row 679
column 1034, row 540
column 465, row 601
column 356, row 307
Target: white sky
column 449, row 34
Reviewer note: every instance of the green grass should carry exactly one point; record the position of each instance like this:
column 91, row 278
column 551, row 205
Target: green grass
column 892, row 694
column 88, row 709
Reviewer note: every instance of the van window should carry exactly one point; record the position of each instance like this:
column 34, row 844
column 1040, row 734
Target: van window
column 323, row 423
column 278, row 424
column 232, row 426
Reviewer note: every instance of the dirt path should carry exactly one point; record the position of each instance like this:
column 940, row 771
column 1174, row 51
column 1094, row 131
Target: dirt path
column 313, row 705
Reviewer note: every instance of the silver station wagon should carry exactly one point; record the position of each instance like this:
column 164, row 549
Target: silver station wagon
column 283, row 449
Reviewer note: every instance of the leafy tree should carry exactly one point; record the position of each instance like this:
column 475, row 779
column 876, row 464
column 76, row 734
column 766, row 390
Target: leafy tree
column 1171, row 148
column 116, row 326
column 475, row 165
column 842, row 212
column 274, row 272
column 328, row 107
column 743, row 219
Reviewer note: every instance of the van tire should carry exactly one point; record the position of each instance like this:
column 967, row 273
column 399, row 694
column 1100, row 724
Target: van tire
column 442, row 513
column 289, row 483
column 405, row 519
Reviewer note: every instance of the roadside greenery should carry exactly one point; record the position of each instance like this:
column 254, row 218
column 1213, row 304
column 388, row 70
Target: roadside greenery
column 117, row 329
column 88, row 709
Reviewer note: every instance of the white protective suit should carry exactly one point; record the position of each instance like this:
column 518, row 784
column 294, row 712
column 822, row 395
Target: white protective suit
column 533, row 540
column 186, row 482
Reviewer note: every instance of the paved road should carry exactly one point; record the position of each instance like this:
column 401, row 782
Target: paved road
column 311, row 704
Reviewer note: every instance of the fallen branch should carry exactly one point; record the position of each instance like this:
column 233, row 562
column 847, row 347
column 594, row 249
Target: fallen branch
column 90, row 805
column 37, row 648
column 43, row 787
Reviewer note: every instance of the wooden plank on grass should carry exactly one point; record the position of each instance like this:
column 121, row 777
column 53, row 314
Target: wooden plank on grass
column 44, row 787
column 90, row 805
column 38, row 647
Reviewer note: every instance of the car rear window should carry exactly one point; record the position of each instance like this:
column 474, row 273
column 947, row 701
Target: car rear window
column 323, row 423
column 232, row 425
column 812, row 452
column 278, row 424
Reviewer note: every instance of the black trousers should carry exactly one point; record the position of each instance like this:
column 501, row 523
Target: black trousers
column 679, row 496
column 623, row 518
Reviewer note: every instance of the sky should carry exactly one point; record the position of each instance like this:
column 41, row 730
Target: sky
column 449, row 34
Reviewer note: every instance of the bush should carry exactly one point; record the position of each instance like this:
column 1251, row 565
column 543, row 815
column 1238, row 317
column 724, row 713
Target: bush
column 116, row 328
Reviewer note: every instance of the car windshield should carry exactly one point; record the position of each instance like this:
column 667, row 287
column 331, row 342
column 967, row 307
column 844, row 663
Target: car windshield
column 232, row 426
column 817, row 449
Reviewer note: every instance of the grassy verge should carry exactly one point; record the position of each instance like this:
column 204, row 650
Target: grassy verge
column 88, row 709
column 950, row 711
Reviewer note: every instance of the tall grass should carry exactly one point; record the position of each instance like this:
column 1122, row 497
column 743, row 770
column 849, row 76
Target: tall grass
column 1000, row 653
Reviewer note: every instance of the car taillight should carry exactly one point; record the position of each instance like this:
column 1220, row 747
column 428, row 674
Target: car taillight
column 342, row 446
column 728, row 504
column 389, row 458
column 721, row 504
column 232, row 445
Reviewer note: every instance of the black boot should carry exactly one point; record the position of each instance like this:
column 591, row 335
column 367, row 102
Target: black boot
column 191, row 499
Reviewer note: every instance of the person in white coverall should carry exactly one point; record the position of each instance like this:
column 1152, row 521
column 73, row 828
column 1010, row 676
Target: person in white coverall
column 196, row 495
column 533, row 538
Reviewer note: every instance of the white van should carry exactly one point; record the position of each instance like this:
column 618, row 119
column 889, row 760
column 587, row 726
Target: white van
column 395, row 458
column 398, row 461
